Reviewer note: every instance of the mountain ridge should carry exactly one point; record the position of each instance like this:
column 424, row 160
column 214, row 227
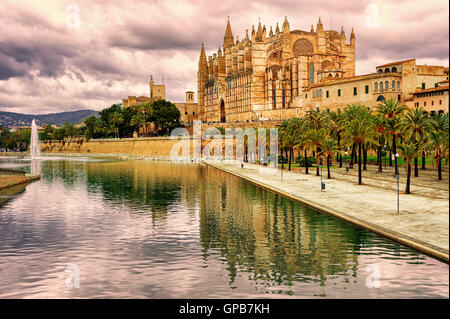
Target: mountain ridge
column 11, row 119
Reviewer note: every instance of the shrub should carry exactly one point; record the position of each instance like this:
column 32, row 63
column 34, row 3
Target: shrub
column 301, row 160
column 282, row 159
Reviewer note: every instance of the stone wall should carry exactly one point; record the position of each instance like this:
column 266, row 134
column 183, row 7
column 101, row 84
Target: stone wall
column 128, row 146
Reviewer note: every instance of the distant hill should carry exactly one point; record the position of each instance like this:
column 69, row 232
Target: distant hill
column 11, row 120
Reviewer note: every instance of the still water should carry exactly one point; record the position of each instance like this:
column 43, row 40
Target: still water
column 131, row 229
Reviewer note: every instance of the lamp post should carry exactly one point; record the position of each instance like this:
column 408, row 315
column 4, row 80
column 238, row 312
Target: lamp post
column 385, row 153
column 397, row 176
column 346, row 165
column 322, row 185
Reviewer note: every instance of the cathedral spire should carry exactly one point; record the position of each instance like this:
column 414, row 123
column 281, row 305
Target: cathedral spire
column 202, row 64
column 319, row 28
column 286, row 25
column 312, row 28
column 352, row 38
column 259, row 32
column 342, row 34
column 228, row 39
column 277, row 29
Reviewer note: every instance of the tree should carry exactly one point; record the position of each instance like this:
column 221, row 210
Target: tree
column 438, row 144
column 409, row 152
column 90, row 126
column 116, row 119
column 415, row 124
column 165, row 115
column 329, row 146
column 358, row 131
column 392, row 110
column 336, row 125
column 137, row 121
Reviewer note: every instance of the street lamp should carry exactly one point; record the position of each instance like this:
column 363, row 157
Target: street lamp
column 346, row 165
column 397, row 176
column 322, row 185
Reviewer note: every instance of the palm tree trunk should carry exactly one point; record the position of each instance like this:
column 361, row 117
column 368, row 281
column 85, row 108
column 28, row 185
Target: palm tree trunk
column 359, row 165
column 290, row 159
column 328, row 165
column 423, row 159
column 317, row 166
column 306, row 162
column 416, row 167
column 353, row 155
column 408, row 179
column 394, row 147
column 380, row 161
column 390, row 157
column 365, row 157
column 439, row 163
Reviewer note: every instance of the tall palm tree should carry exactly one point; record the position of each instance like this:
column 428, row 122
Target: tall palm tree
column 438, row 144
column 116, row 119
column 379, row 131
column 392, row 110
column 409, row 152
column 302, row 141
column 336, row 121
column 317, row 121
column 359, row 130
column 316, row 137
column 329, row 146
column 137, row 120
column 415, row 124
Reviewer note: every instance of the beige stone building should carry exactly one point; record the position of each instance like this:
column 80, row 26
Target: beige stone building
column 277, row 75
column 157, row 92
column 188, row 109
column 434, row 99
column 263, row 76
column 395, row 80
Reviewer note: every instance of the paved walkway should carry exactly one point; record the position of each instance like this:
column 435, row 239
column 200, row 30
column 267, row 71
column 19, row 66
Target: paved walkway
column 423, row 222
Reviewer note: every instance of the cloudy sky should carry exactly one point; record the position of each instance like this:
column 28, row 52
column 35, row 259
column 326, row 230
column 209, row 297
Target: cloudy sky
column 50, row 61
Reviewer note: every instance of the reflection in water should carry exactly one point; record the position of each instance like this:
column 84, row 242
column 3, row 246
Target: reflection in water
column 160, row 230
column 35, row 167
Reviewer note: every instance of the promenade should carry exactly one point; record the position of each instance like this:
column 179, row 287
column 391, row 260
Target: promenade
column 423, row 221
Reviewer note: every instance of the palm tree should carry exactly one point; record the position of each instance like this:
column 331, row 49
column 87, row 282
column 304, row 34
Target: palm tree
column 329, row 146
column 137, row 120
column 415, row 123
column 439, row 145
column 317, row 121
column 316, row 137
column 302, row 140
column 379, row 131
column 409, row 152
column 336, row 121
column 116, row 119
column 358, row 131
column 392, row 110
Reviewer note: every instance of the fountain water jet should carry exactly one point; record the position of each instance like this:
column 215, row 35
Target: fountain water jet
column 35, row 150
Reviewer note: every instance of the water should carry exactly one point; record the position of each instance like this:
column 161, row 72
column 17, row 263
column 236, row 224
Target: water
column 159, row 230
column 35, row 150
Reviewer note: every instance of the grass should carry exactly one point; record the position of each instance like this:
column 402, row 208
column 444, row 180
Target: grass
column 428, row 162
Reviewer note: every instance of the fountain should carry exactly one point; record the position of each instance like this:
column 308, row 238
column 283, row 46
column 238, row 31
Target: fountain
column 35, row 150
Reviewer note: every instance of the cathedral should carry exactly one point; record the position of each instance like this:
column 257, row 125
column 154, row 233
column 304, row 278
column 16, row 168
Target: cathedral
column 263, row 76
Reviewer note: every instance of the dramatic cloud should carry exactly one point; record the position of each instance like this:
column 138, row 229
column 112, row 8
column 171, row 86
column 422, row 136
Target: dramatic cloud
column 50, row 61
